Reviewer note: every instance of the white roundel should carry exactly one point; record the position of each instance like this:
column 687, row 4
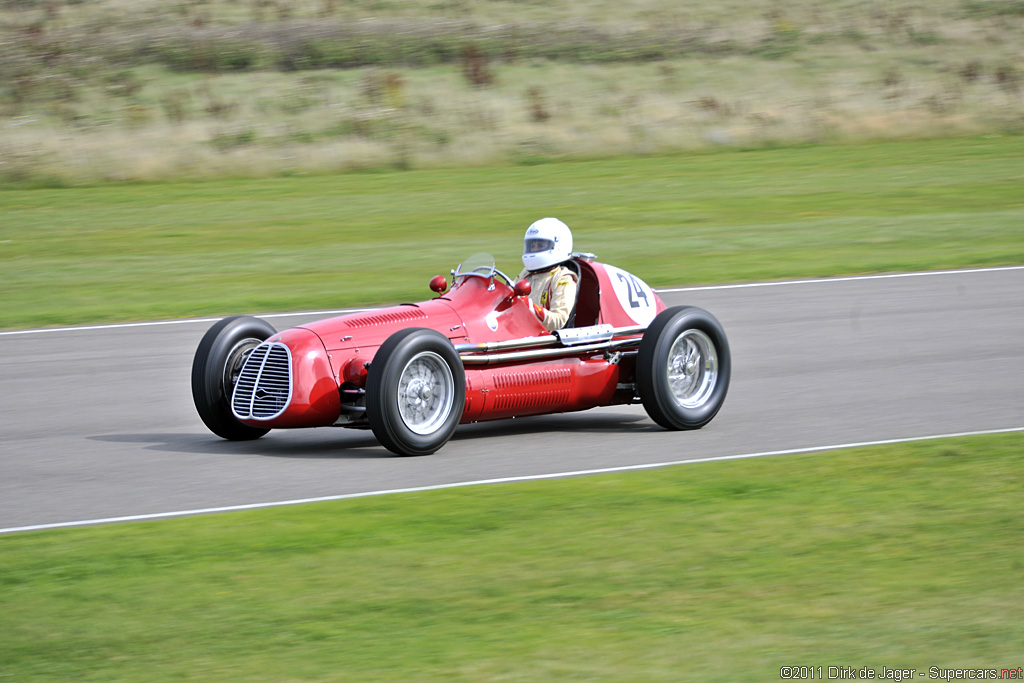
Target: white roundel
column 635, row 297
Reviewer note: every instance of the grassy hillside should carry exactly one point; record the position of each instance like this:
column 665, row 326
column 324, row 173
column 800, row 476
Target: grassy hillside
column 129, row 252
column 902, row 556
column 158, row 89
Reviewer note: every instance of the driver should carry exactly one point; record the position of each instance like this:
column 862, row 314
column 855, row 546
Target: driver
column 546, row 247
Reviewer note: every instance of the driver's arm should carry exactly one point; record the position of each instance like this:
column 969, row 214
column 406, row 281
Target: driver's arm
column 563, row 297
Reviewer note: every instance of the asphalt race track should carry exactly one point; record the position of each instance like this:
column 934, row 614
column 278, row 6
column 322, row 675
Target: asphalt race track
column 98, row 423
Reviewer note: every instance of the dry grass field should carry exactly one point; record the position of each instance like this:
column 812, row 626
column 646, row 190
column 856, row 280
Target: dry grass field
column 94, row 90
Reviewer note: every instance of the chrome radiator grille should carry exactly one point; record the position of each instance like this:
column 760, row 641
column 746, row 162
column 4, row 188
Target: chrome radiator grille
column 264, row 386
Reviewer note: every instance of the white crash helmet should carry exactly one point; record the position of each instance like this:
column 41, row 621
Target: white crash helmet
column 547, row 242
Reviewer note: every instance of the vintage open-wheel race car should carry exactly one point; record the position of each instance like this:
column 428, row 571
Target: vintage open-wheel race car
column 412, row 373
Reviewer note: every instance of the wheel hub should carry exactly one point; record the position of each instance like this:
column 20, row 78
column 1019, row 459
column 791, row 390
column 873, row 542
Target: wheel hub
column 692, row 368
column 425, row 393
column 420, row 391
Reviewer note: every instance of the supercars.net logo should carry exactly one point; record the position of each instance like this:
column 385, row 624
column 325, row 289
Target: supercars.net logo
column 849, row 673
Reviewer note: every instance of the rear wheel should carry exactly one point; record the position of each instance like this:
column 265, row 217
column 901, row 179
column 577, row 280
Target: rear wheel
column 215, row 368
column 415, row 392
column 683, row 368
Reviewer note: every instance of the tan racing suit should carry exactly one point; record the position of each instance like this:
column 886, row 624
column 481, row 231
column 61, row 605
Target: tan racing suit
column 553, row 294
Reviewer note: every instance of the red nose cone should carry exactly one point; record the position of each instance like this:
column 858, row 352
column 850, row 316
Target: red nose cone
column 438, row 284
column 523, row 288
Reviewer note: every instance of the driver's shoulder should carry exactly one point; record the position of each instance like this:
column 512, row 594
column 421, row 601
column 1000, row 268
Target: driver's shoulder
column 563, row 273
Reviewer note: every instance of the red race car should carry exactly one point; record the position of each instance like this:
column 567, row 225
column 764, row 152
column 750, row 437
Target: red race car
column 475, row 352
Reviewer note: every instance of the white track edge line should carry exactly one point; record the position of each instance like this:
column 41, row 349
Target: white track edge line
column 178, row 321
column 746, row 285
column 501, row 480
column 852, row 278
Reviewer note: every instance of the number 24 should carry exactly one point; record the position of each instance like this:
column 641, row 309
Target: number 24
column 633, row 286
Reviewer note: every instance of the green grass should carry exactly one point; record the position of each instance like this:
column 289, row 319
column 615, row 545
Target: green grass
column 904, row 556
column 129, row 252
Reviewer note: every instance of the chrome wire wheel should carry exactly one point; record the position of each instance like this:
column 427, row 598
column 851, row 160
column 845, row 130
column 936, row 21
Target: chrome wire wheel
column 683, row 368
column 426, row 393
column 692, row 368
column 415, row 391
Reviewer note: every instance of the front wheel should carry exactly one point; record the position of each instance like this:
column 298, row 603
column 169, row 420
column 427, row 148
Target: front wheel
column 683, row 368
column 215, row 368
column 415, row 392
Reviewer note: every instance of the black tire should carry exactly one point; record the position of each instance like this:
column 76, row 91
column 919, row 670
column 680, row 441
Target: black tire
column 215, row 368
column 683, row 385
column 415, row 392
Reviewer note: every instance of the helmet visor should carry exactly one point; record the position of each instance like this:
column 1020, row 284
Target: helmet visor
column 535, row 245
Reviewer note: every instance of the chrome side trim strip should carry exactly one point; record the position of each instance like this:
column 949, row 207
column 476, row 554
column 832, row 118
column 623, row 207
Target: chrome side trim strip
column 534, row 342
column 538, row 354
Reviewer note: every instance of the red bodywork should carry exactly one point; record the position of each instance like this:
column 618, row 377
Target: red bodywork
column 329, row 357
